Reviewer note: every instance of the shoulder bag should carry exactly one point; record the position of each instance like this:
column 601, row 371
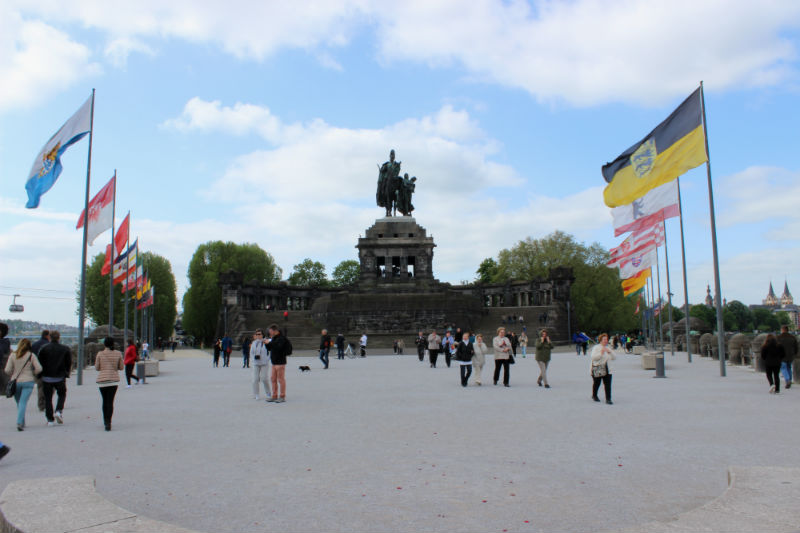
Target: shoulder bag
column 11, row 386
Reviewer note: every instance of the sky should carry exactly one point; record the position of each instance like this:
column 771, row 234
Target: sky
column 264, row 122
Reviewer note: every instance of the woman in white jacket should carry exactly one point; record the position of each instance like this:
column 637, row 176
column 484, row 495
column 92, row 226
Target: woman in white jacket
column 601, row 371
column 479, row 358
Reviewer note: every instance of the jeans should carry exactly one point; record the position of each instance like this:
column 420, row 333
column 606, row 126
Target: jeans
column 786, row 370
column 466, row 372
column 433, row 354
column 129, row 373
column 261, row 375
column 421, row 352
column 506, row 366
column 24, row 390
column 246, row 360
column 524, row 351
column 61, row 390
column 108, row 393
column 323, row 356
column 340, row 352
column 447, row 355
column 606, row 386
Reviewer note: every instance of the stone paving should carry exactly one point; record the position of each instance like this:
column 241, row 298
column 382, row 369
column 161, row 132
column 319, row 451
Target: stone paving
column 388, row 444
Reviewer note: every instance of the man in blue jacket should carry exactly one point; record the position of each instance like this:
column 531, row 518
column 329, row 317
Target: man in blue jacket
column 227, row 348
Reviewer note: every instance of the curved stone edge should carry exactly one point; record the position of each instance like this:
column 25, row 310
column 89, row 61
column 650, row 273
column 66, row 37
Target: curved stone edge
column 67, row 504
column 758, row 498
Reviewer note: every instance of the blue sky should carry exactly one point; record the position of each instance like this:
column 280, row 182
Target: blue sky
column 262, row 122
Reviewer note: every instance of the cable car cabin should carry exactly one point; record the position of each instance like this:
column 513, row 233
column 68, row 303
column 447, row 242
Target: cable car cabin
column 16, row 308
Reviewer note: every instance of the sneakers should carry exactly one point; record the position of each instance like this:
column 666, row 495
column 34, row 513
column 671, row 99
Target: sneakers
column 4, row 451
column 127, row 386
column 271, row 400
column 280, row 400
column 59, row 417
column 772, row 389
column 20, row 427
column 50, row 423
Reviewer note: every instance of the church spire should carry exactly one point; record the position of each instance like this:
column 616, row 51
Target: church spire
column 771, row 300
column 786, row 297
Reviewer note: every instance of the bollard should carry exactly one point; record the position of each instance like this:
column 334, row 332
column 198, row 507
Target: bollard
column 140, row 372
column 660, row 366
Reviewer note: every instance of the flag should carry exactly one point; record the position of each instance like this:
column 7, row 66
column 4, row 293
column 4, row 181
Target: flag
column 121, row 268
column 638, row 262
column 635, row 282
column 639, row 301
column 659, row 204
column 673, row 147
column 101, row 211
column 121, row 236
column 640, row 242
column 47, row 165
column 107, row 264
column 635, row 294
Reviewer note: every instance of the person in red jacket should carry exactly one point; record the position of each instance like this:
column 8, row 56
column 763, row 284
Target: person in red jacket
column 130, row 360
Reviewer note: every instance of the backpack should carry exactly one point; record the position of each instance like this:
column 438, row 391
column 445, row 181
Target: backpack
column 288, row 346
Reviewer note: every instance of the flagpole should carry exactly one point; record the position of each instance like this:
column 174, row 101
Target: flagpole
column 135, row 288
column 113, row 249
column 82, row 303
column 685, row 286
column 669, row 293
column 717, row 287
column 660, row 323
column 127, row 277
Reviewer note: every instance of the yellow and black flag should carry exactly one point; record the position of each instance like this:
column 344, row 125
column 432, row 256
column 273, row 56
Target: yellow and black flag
column 673, row 147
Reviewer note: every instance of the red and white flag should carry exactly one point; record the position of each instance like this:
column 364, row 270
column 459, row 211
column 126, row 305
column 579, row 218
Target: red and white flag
column 106, row 270
column 121, row 236
column 654, row 207
column 638, row 262
column 101, row 211
column 636, row 243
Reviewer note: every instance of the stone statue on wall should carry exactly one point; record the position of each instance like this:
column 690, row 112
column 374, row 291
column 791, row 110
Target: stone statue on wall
column 389, row 181
column 404, row 194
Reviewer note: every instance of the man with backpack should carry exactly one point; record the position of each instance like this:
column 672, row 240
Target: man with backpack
column 279, row 349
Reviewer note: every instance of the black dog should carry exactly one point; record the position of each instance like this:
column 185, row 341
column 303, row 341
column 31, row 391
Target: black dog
column 304, row 368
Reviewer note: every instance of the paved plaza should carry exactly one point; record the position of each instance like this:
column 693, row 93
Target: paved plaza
column 388, row 444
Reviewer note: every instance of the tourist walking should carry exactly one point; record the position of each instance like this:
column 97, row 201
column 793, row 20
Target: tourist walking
column 130, row 363
column 279, row 348
column 773, row 354
column 324, row 348
column 22, row 367
column 601, row 355
column 480, row 350
column 5, row 353
column 258, row 349
column 363, row 343
column 44, row 339
column 227, row 348
column 108, row 364
column 543, row 349
column 464, row 354
column 421, row 342
column 145, row 350
column 217, row 351
column 447, row 347
column 514, row 341
column 502, row 356
column 789, row 343
column 523, row 343
column 434, row 341
column 339, row 346
column 246, row 351
column 56, row 361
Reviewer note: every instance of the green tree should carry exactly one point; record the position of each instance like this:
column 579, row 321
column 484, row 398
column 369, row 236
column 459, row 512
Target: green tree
column 677, row 313
column 203, row 298
column 596, row 293
column 346, row 273
column 309, row 273
column 765, row 319
column 487, row 271
column 742, row 316
column 783, row 318
column 158, row 269
column 705, row 313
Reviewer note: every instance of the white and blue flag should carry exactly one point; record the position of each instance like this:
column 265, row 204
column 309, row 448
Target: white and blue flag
column 47, row 165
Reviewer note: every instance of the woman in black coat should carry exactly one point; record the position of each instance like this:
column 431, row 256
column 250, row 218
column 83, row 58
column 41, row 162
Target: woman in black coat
column 772, row 354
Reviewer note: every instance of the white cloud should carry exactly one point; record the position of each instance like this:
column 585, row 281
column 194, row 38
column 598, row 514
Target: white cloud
column 759, row 194
column 118, row 50
column 37, row 60
column 583, row 52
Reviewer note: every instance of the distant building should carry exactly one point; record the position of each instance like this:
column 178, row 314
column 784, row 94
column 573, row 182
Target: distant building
column 784, row 303
column 709, row 298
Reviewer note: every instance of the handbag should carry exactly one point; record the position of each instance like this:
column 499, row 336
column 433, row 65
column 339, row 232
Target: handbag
column 11, row 386
column 598, row 371
column 511, row 360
